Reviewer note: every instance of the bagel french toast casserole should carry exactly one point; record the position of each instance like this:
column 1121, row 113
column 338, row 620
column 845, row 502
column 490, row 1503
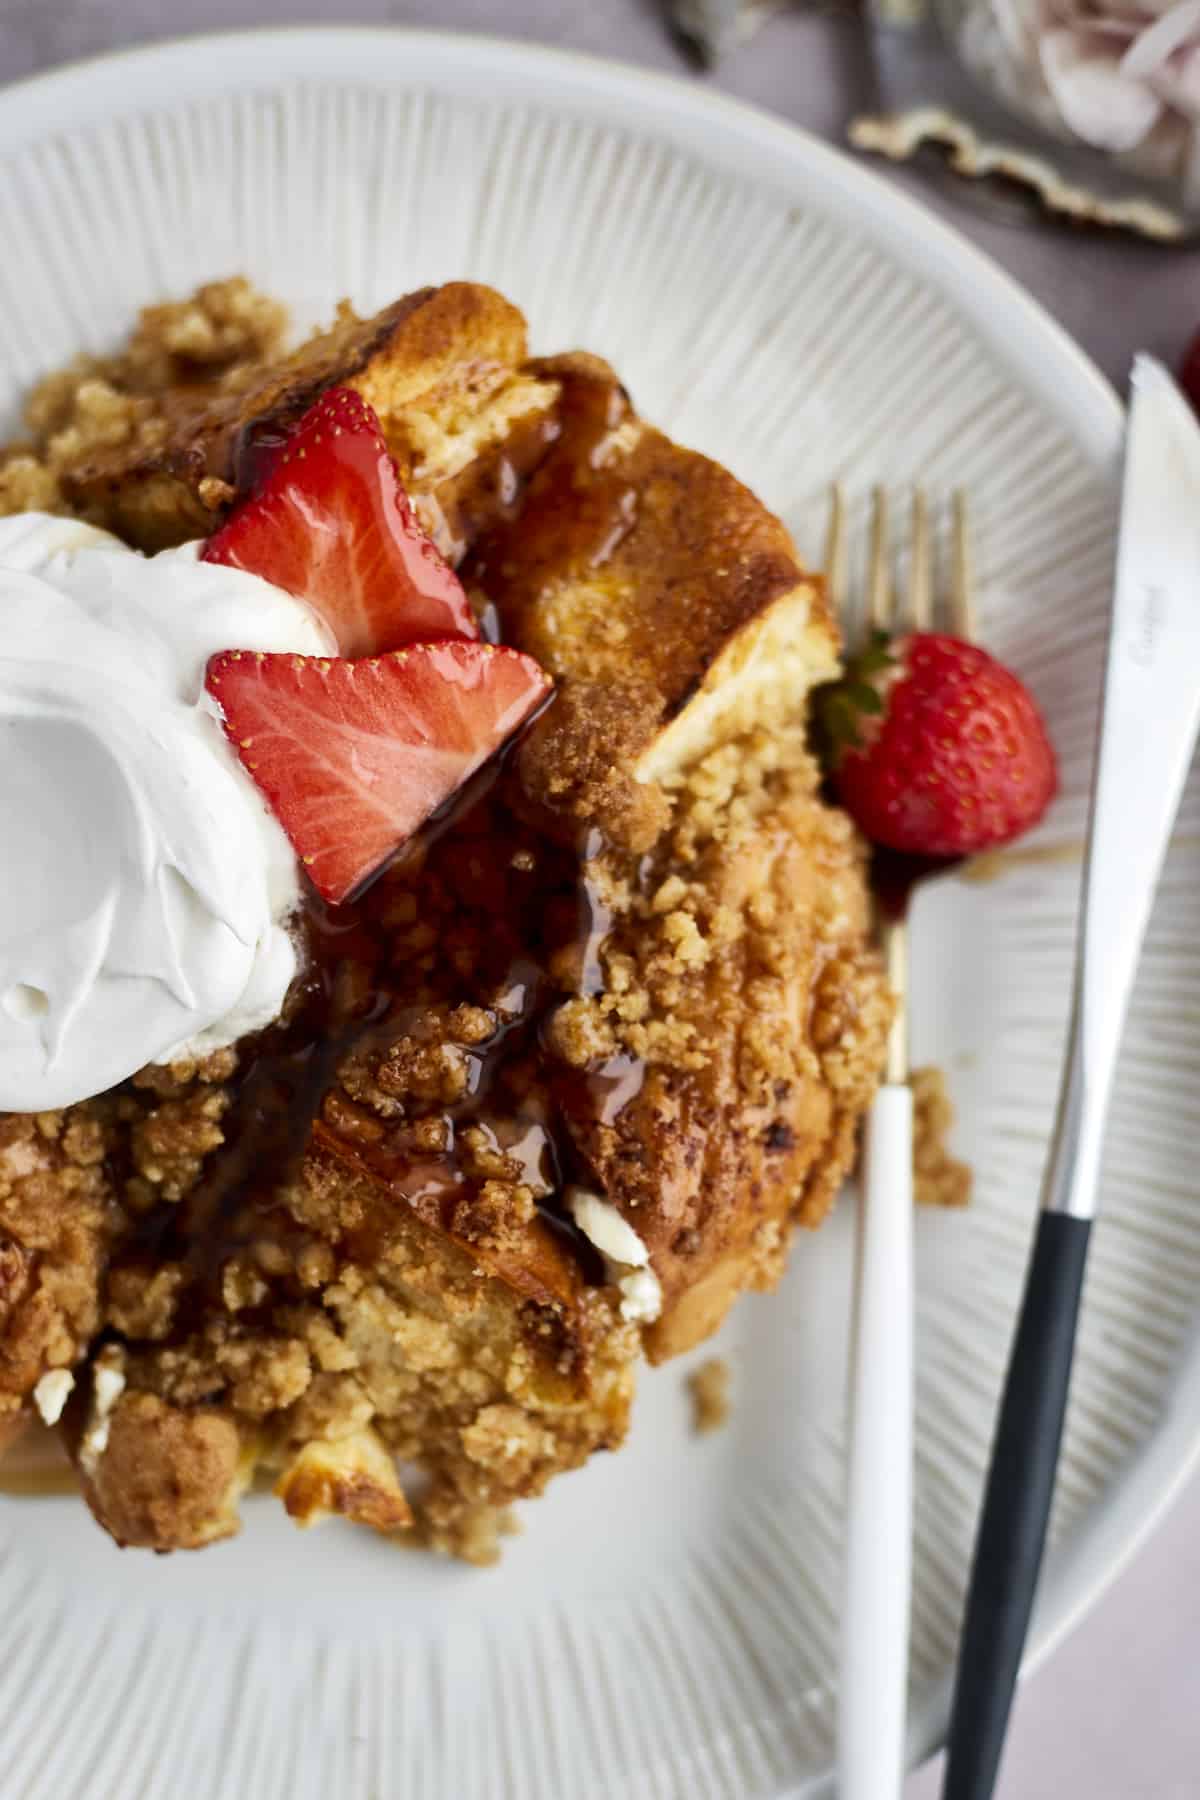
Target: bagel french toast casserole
column 437, row 980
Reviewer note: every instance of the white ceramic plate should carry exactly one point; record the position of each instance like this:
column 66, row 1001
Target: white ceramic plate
column 667, row 1625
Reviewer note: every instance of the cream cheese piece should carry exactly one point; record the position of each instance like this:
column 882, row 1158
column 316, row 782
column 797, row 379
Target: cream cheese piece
column 624, row 1253
column 51, row 1394
column 108, row 1384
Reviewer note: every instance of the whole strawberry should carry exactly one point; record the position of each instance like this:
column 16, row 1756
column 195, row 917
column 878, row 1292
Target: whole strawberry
column 937, row 749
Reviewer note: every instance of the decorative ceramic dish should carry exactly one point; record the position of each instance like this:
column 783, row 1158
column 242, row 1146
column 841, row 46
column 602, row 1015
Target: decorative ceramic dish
column 668, row 1623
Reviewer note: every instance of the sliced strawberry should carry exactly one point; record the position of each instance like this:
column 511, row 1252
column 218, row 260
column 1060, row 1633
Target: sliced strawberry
column 354, row 756
column 332, row 524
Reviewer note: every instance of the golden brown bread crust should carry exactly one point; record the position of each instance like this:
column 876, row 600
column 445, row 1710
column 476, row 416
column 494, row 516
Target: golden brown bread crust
column 431, row 360
column 353, row 1477
column 642, row 575
column 162, row 492
column 630, row 552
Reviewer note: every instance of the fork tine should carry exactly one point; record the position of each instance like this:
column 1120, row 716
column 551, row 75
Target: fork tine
column 964, row 621
column 920, row 572
column 835, row 551
column 879, row 579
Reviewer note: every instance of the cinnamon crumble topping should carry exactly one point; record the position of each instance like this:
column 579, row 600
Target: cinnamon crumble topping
column 638, row 960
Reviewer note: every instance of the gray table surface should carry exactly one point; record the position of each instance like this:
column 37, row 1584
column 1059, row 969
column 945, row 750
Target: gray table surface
column 1113, row 1714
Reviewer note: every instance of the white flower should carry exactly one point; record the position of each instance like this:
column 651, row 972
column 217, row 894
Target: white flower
column 1122, row 75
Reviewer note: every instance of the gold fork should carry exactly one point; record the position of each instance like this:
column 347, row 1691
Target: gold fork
column 875, row 1613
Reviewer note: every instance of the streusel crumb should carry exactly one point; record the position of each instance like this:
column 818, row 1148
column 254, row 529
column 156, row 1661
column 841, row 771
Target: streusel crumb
column 709, row 1387
column 940, row 1179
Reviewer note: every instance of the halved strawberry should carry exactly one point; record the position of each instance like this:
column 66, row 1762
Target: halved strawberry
column 354, row 756
column 332, row 524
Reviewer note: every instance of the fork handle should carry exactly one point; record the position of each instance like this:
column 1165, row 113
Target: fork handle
column 1016, row 1507
column 874, row 1659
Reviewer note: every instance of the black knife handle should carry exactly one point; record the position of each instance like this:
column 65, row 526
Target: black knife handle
column 1016, row 1507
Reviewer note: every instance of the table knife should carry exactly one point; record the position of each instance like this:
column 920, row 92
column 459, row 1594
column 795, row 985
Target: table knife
column 1149, row 720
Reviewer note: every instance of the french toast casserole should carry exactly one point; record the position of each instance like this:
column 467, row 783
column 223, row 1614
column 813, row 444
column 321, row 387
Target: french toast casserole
column 552, row 1090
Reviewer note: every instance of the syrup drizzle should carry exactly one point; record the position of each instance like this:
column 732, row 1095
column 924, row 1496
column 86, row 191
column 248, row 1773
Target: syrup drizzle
column 614, row 1084
column 484, row 875
column 576, row 509
column 516, row 925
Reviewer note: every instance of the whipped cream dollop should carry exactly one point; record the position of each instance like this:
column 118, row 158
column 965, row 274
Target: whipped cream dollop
column 147, row 889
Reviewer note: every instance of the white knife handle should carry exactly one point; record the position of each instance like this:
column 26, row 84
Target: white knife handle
column 875, row 1616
